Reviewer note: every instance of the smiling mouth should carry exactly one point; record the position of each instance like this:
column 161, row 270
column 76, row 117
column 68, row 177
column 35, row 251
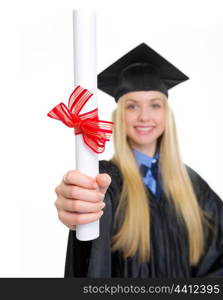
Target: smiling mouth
column 144, row 129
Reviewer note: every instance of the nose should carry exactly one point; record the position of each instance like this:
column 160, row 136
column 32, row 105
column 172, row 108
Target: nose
column 144, row 114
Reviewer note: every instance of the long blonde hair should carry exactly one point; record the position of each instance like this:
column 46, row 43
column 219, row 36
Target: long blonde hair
column 133, row 234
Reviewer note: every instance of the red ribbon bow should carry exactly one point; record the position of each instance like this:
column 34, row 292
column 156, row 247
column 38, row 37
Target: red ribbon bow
column 95, row 132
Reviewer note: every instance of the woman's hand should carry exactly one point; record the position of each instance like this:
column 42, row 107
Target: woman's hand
column 80, row 198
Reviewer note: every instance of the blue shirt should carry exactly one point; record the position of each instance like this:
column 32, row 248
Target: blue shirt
column 144, row 159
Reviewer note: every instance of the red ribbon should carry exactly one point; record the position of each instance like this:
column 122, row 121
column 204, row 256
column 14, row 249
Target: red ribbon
column 95, row 132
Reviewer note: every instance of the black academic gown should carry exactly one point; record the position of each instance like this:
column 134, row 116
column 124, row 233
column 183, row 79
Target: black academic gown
column 169, row 245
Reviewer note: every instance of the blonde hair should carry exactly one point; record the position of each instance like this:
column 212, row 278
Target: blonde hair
column 133, row 233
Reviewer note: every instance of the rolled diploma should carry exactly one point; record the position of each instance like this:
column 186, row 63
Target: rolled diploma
column 85, row 75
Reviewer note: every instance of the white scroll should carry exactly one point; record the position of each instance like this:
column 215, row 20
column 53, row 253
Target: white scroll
column 85, row 75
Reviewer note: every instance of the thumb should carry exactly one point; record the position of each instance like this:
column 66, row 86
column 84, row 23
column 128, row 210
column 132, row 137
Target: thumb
column 103, row 181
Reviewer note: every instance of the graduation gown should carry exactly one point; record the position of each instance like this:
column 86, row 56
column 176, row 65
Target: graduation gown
column 169, row 245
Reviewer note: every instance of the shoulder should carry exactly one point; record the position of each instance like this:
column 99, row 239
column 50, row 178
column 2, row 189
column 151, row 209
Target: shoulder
column 206, row 196
column 195, row 178
column 107, row 165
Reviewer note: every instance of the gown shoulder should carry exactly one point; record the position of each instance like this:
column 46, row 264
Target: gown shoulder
column 208, row 199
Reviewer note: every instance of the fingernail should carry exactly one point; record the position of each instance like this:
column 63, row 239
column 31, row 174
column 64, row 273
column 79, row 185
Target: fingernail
column 101, row 196
column 106, row 178
column 101, row 213
column 103, row 205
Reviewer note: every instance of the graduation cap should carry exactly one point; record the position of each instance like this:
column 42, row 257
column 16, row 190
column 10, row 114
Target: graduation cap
column 141, row 69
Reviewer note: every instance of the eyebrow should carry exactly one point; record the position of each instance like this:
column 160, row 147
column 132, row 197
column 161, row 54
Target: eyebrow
column 153, row 99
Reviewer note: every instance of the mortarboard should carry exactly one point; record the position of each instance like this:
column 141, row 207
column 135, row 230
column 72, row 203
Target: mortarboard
column 141, row 69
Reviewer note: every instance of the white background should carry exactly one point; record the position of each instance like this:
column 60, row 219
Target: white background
column 36, row 73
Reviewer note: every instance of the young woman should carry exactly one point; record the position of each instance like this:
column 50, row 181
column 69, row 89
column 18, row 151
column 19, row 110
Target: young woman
column 161, row 219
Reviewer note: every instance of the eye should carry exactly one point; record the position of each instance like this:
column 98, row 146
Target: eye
column 130, row 106
column 156, row 105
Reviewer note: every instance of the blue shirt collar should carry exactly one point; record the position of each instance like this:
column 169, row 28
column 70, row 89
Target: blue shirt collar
column 142, row 158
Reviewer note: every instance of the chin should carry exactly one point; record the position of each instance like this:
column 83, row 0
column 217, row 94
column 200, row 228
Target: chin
column 143, row 144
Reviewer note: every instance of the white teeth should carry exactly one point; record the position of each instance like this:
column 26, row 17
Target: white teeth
column 144, row 128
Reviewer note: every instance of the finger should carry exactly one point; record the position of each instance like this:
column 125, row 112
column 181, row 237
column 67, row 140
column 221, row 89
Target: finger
column 103, row 181
column 82, row 206
column 79, row 193
column 80, row 179
column 71, row 219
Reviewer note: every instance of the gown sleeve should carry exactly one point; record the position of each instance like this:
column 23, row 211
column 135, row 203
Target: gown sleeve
column 211, row 263
column 92, row 259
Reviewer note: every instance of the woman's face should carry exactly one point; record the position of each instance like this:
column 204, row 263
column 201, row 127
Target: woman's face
column 144, row 119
